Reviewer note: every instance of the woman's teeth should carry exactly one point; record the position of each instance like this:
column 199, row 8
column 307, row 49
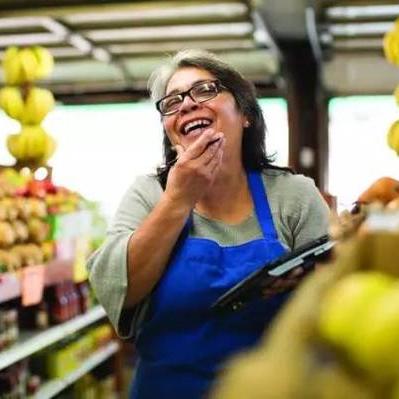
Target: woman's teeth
column 197, row 125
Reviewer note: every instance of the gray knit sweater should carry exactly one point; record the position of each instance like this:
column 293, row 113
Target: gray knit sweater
column 299, row 214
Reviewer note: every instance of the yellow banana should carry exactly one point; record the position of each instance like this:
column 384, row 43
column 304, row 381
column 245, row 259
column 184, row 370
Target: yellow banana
column 393, row 137
column 16, row 146
column 50, row 147
column 39, row 102
column 29, row 64
column 45, row 61
column 12, row 66
column 34, row 137
column 391, row 46
column 11, row 102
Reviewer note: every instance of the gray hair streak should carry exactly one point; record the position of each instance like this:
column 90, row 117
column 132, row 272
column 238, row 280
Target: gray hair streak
column 159, row 79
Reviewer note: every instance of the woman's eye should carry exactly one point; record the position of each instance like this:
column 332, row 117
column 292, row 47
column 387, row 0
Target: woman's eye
column 172, row 101
column 205, row 89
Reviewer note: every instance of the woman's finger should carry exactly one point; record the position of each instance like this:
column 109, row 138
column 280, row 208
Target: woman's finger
column 198, row 147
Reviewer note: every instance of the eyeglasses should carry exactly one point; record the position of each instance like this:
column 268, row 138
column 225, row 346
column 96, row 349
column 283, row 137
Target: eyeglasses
column 199, row 93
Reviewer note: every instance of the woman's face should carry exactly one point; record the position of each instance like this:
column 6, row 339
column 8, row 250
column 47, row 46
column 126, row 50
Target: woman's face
column 220, row 113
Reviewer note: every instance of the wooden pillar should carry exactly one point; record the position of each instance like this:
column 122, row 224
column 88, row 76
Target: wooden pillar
column 307, row 112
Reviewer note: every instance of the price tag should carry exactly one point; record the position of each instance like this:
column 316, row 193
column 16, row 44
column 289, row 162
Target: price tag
column 82, row 250
column 32, row 285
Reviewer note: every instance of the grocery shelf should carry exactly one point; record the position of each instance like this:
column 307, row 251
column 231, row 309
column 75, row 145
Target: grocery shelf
column 54, row 387
column 31, row 342
column 56, row 271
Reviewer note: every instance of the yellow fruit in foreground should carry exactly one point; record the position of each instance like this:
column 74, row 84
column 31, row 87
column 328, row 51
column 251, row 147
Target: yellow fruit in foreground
column 393, row 137
column 376, row 348
column 346, row 304
column 395, row 391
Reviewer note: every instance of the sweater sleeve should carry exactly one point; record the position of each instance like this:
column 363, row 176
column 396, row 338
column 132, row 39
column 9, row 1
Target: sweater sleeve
column 108, row 273
column 300, row 213
column 311, row 217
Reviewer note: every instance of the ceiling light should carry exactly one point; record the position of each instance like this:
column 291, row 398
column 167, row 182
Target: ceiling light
column 221, row 10
column 238, row 29
column 360, row 29
column 372, row 11
column 80, row 42
column 20, row 22
column 29, row 39
column 165, row 47
column 101, row 55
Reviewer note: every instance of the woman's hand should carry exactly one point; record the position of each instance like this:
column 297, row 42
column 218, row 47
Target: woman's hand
column 284, row 283
column 196, row 168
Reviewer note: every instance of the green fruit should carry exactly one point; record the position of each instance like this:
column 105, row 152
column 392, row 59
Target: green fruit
column 347, row 303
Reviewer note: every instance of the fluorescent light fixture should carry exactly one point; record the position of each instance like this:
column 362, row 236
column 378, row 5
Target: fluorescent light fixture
column 165, row 47
column 360, row 29
column 79, row 42
column 139, row 14
column 65, row 52
column 359, row 12
column 358, row 44
column 20, row 22
column 261, row 33
column 30, row 39
column 238, row 29
column 55, row 26
column 101, row 55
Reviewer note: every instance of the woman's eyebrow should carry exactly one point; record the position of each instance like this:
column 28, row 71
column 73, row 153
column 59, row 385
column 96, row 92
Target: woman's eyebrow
column 177, row 91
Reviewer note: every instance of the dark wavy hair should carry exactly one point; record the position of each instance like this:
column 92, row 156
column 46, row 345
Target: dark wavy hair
column 254, row 156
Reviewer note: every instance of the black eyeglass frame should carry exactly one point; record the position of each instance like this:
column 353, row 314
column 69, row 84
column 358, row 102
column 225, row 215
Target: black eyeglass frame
column 183, row 94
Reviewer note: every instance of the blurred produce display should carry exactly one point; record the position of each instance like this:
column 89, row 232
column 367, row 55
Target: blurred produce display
column 377, row 208
column 37, row 217
column 32, row 146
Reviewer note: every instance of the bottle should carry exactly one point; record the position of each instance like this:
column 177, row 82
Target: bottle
column 59, row 305
column 84, row 296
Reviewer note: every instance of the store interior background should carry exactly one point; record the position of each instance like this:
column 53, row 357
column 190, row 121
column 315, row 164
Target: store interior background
column 107, row 130
column 323, row 82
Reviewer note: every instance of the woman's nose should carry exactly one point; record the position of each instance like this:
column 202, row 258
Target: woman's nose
column 188, row 104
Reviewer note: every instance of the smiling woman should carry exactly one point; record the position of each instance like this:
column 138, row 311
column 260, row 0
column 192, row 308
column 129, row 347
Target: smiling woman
column 215, row 212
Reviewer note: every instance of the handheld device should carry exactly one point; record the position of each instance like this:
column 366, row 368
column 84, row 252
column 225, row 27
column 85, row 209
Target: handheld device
column 251, row 287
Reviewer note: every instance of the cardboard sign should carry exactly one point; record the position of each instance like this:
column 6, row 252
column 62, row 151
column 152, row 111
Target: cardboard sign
column 32, row 285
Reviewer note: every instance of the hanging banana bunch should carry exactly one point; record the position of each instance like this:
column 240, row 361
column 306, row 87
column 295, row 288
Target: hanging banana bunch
column 391, row 52
column 28, row 104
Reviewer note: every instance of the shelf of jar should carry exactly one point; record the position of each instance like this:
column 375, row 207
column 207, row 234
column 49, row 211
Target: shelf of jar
column 54, row 387
column 56, row 271
column 31, row 342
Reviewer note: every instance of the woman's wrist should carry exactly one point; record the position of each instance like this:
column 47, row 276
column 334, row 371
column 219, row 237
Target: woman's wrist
column 177, row 206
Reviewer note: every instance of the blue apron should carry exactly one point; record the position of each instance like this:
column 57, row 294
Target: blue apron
column 182, row 346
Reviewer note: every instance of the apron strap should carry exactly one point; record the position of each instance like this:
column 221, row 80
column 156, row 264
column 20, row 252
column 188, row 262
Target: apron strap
column 261, row 203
